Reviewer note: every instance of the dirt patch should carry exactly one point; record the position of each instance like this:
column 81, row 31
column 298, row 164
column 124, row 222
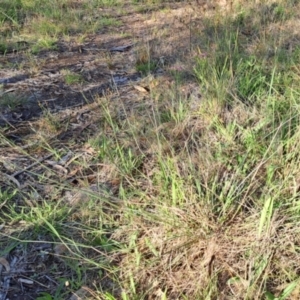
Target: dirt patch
column 162, row 36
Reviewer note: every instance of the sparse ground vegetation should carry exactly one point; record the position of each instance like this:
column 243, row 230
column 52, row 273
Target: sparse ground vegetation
column 149, row 149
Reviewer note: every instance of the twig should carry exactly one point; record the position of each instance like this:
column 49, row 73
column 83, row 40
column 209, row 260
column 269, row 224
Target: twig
column 5, row 120
column 32, row 165
column 14, row 180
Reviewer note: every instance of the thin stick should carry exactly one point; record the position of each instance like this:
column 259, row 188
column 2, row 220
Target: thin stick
column 32, row 165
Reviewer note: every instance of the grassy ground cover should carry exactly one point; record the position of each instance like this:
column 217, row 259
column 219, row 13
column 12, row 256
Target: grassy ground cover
column 181, row 184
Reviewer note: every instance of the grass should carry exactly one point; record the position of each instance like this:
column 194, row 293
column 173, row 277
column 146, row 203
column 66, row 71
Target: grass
column 11, row 101
column 159, row 200
column 42, row 23
column 71, row 78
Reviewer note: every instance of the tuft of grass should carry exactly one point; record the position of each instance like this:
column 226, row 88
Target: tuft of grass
column 146, row 68
column 11, row 101
column 145, row 62
column 71, row 78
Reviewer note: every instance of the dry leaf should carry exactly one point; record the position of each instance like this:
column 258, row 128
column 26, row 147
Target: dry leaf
column 121, row 48
column 25, row 281
column 5, row 263
column 60, row 249
column 141, row 89
column 61, row 169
